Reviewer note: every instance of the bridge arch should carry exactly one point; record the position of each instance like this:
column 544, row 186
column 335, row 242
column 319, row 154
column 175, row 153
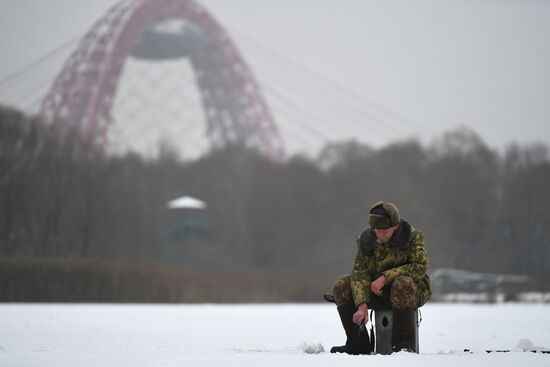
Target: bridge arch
column 235, row 111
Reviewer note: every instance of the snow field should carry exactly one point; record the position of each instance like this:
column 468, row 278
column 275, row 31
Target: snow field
column 256, row 335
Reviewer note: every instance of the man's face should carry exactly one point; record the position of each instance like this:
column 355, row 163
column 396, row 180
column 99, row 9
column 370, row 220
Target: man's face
column 384, row 235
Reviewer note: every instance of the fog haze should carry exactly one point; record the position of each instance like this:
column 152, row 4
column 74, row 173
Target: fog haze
column 420, row 68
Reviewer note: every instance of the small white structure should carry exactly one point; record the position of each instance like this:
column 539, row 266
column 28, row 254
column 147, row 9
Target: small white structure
column 187, row 221
column 186, row 202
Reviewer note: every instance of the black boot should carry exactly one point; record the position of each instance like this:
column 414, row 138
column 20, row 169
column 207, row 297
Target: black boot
column 357, row 338
column 404, row 333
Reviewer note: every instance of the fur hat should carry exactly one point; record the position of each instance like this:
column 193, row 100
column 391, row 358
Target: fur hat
column 383, row 215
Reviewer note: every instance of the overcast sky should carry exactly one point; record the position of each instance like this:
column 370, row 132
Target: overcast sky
column 421, row 67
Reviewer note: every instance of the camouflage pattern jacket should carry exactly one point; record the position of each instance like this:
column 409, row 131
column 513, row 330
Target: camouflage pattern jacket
column 404, row 254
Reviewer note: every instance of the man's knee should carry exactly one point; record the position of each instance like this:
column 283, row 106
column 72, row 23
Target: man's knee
column 404, row 293
column 342, row 291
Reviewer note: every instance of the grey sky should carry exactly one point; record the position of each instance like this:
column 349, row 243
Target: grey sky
column 426, row 66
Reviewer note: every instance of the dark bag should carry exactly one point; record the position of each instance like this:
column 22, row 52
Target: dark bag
column 364, row 338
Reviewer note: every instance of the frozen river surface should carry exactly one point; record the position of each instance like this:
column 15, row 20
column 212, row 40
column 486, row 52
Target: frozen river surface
column 256, row 335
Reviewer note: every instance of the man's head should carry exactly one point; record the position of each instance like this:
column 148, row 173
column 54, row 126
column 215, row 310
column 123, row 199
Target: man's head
column 384, row 219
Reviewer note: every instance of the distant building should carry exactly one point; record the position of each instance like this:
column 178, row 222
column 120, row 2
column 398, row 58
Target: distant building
column 462, row 285
column 188, row 218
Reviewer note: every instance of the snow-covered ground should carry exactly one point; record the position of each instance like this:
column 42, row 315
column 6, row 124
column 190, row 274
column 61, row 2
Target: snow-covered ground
column 256, row 335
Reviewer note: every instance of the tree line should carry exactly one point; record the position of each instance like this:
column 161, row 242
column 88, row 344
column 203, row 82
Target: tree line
column 71, row 216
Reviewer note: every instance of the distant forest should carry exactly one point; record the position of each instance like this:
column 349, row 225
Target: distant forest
column 79, row 225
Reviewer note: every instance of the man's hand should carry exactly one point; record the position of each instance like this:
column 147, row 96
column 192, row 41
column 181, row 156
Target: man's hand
column 362, row 314
column 377, row 285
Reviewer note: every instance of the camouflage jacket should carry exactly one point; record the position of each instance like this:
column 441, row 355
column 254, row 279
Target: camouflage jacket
column 404, row 254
